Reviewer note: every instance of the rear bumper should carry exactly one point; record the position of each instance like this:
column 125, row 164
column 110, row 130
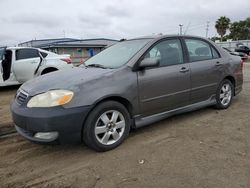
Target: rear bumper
column 66, row 122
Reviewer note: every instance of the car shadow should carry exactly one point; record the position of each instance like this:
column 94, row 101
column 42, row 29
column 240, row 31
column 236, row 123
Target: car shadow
column 9, row 88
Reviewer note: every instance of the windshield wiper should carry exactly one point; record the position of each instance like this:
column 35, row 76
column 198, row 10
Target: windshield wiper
column 97, row 66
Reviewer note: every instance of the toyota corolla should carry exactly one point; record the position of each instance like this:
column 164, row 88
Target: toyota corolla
column 130, row 84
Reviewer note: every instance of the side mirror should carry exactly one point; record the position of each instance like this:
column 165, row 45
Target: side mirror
column 150, row 62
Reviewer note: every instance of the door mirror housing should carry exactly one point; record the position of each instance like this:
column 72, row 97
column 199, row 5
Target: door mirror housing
column 150, row 62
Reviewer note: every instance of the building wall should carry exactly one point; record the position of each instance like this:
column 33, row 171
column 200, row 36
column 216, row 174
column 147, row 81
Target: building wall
column 78, row 55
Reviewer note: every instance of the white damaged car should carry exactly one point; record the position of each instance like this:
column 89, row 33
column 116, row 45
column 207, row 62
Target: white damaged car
column 20, row 64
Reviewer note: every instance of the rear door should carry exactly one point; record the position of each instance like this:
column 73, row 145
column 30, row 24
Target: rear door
column 165, row 87
column 206, row 69
column 25, row 64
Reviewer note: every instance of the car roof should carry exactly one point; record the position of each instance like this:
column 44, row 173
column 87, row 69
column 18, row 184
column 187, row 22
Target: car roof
column 18, row 47
column 159, row 36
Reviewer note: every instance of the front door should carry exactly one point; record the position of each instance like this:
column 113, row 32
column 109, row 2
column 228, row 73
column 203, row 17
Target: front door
column 26, row 63
column 165, row 87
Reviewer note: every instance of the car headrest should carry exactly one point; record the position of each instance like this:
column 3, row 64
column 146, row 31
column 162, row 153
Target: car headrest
column 202, row 51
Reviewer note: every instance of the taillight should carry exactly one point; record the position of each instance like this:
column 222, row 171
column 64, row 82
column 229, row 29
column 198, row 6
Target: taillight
column 241, row 63
column 67, row 60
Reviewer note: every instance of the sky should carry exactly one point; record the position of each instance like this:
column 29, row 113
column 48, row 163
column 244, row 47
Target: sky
column 23, row 20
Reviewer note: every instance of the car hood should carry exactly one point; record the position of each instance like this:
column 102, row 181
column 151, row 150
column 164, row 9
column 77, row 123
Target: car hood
column 66, row 79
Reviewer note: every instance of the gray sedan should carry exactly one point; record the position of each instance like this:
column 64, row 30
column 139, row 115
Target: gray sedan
column 131, row 84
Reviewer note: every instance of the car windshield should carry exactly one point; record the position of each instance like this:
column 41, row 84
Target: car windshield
column 117, row 55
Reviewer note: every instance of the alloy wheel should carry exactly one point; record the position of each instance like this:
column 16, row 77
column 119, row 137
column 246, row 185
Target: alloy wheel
column 225, row 94
column 110, row 127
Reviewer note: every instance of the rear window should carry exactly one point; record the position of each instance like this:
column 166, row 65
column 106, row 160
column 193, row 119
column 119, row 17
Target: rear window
column 26, row 54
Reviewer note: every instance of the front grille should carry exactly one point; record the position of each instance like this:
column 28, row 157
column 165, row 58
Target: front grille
column 21, row 96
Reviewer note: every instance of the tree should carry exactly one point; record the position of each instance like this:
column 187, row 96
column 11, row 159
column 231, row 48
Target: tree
column 222, row 25
column 240, row 30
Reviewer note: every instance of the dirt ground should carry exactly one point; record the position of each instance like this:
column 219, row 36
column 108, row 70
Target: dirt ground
column 206, row 148
column 6, row 95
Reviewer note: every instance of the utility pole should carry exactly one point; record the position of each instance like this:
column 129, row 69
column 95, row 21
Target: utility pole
column 207, row 28
column 180, row 25
column 64, row 34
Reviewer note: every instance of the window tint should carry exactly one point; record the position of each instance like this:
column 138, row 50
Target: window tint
column 198, row 50
column 169, row 52
column 216, row 55
column 26, row 54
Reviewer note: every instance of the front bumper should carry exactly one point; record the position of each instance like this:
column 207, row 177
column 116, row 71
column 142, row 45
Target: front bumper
column 66, row 122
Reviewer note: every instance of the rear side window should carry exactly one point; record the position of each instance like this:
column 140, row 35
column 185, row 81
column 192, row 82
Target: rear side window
column 44, row 54
column 168, row 51
column 198, row 50
column 26, row 54
column 216, row 55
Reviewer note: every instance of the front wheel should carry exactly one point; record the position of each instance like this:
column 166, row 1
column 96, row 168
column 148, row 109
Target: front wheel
column 106, row 126
column 224, row 94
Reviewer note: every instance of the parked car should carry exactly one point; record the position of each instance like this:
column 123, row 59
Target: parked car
column 241, row 54
column 129, row 85
column 243, row 49
column 19, row 64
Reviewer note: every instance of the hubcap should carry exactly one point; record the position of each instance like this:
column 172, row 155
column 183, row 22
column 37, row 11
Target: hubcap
column 109, row 127
column 225, row 94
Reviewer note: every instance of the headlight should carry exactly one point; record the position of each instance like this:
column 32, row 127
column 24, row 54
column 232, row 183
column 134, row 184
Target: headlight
column 51, row 98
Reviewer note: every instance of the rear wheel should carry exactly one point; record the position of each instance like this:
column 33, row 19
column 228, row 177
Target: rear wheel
column 224, row 94
column 106, row 126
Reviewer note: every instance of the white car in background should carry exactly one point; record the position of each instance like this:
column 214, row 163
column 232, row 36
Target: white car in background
column 20, row 64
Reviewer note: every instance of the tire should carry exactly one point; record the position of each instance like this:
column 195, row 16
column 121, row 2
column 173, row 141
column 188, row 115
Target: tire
column 224, row 94
column 100, row 132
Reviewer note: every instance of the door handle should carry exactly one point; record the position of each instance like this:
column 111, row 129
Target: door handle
column 217, row 63
column 184, row 69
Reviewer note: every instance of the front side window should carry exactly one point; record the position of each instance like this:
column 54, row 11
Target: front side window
column 169, row 52
column 198, row 50
column 26, row 54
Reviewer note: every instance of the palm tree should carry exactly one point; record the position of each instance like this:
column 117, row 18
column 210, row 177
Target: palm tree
column 221, row 25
